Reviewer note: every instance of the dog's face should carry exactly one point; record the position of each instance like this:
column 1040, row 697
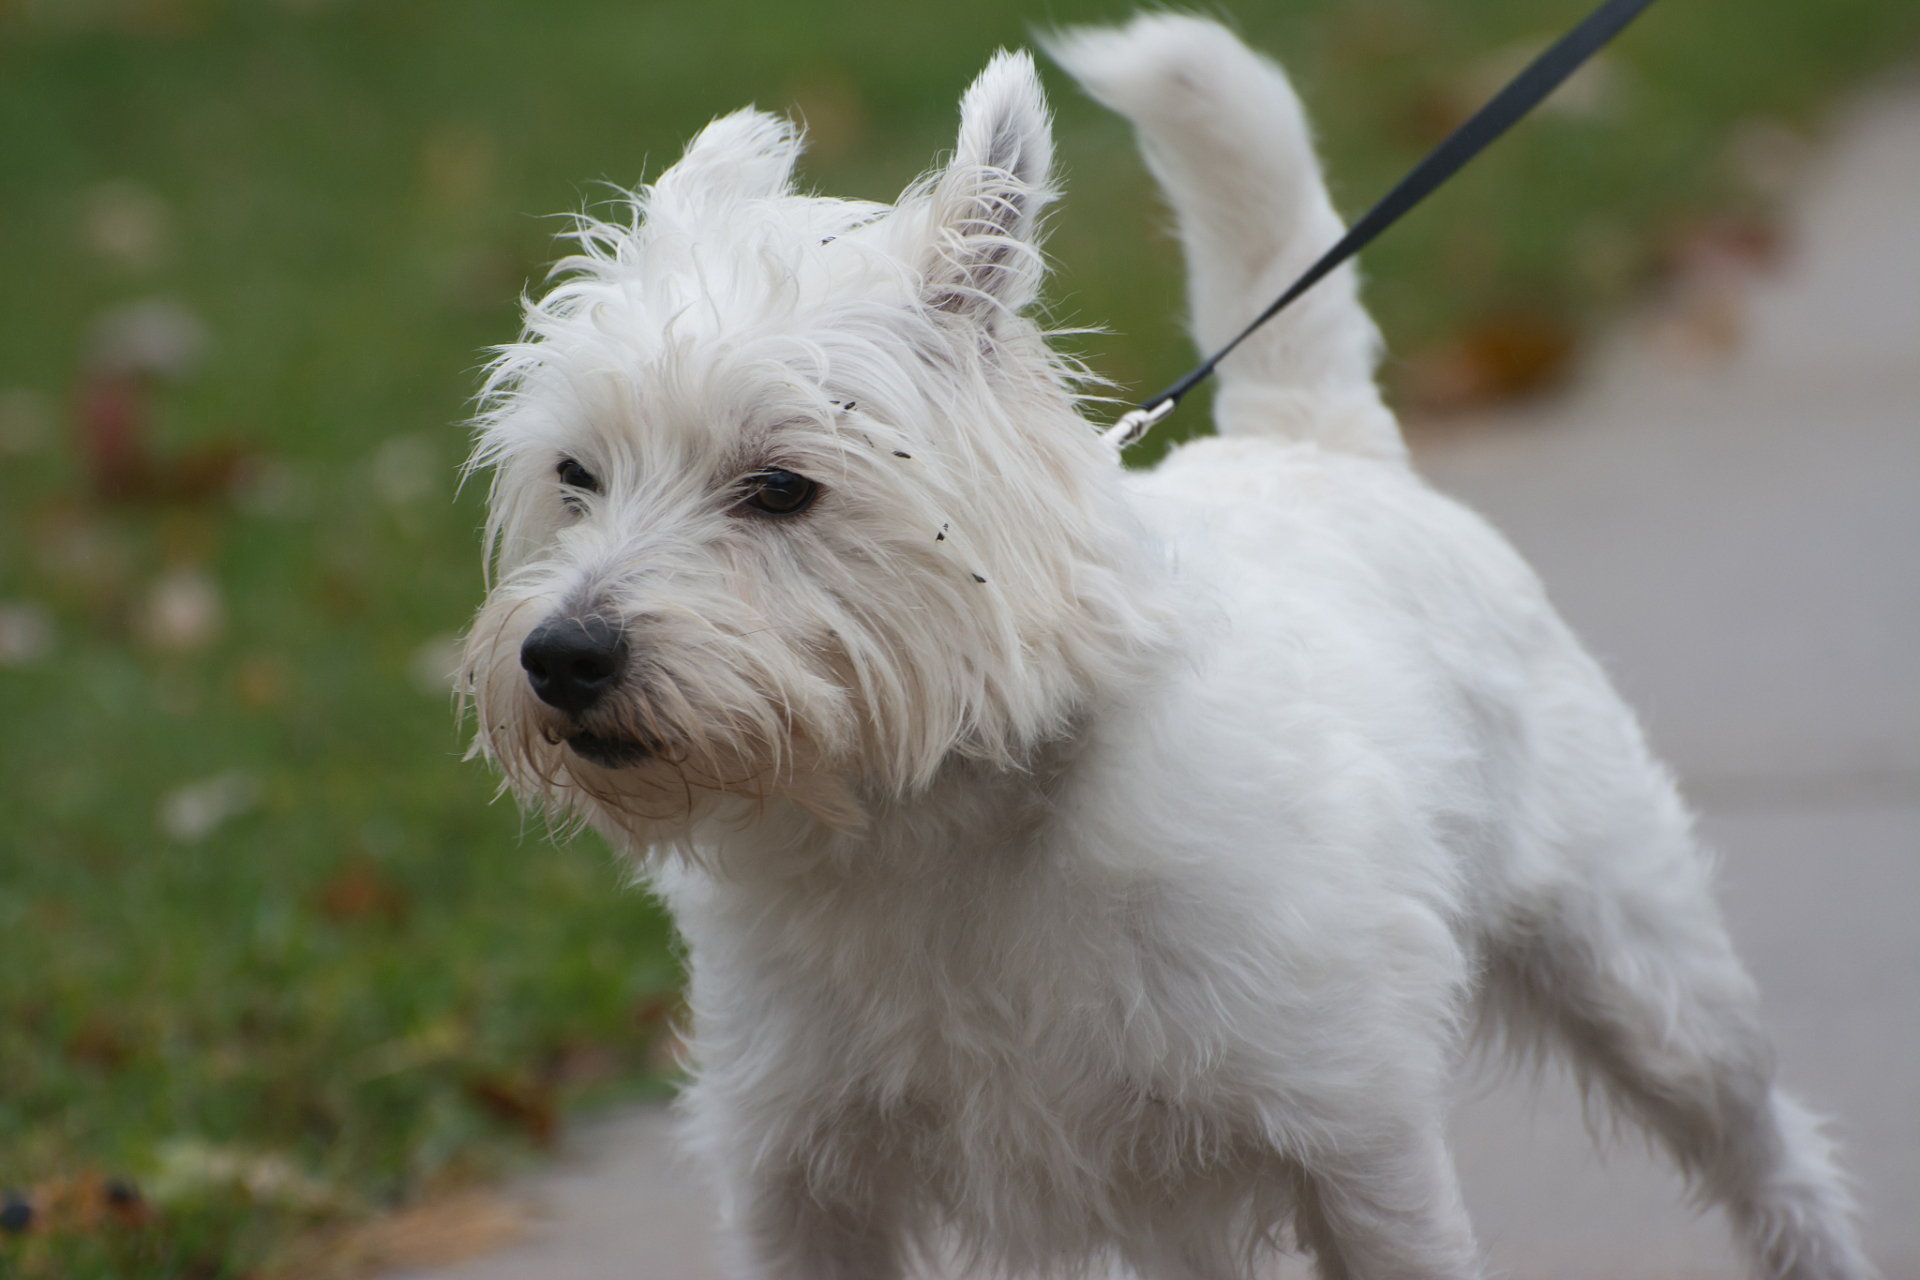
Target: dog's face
column 788, row 497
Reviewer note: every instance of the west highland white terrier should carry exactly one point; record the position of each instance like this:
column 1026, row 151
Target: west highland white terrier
column 1079, row 867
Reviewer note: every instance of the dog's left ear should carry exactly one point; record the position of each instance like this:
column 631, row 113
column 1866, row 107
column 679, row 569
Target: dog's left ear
column 748, row 155
column 985, row 255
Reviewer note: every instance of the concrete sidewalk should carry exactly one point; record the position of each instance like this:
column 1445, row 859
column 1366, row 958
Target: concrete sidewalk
column 1740, row 543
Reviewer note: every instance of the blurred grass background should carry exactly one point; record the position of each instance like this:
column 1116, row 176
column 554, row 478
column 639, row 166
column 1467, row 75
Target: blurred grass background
column 272, row 965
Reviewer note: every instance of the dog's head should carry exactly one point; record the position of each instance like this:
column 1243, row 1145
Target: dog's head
column 789, row 497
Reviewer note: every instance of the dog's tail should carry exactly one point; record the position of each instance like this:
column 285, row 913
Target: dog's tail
column 1225, row 136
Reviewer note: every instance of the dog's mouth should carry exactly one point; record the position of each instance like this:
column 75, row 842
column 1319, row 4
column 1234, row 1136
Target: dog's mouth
column 611, row 753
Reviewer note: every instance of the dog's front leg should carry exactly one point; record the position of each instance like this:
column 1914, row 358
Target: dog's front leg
column 1387, row 1208
column 793, row 1228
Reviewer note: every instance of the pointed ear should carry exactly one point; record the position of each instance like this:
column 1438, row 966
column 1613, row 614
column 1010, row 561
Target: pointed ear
column 986, row 205
column 748, row 155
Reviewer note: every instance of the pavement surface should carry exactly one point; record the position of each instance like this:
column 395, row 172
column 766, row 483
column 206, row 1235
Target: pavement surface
column 1737, row 536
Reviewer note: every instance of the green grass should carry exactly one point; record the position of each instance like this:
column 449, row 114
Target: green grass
column 370, row 984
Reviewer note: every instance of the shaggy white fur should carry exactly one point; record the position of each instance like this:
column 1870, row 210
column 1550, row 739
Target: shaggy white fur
column 1078, row 867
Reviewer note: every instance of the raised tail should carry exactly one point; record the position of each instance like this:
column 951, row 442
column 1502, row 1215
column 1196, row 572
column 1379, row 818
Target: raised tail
column 1224, row 134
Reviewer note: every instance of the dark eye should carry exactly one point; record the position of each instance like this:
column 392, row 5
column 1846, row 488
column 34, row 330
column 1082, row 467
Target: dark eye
column 575, row 476
column 780, row 493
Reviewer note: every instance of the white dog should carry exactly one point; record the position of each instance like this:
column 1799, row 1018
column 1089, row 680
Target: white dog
column 1078, row 867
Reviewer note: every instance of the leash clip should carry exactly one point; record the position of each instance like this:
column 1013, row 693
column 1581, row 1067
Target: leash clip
column 1135, row 423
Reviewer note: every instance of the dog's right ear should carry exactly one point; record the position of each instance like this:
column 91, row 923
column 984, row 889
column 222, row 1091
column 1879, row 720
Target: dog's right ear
column 748, row 155
column 986, row 204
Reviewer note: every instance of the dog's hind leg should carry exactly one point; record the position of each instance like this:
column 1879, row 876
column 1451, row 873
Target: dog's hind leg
column 1225, row 136
column 1627, row 967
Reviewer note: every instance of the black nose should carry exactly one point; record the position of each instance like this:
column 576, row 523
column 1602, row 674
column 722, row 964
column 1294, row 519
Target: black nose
column 572, row 662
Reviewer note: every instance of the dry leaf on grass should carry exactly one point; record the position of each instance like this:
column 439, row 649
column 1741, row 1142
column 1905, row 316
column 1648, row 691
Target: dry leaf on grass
column 100, row 1042
column 439, row 1232
column 444, row 1231
column 360, row 891
column 81, row 1202
column 526, row 1104
column 1512, row 354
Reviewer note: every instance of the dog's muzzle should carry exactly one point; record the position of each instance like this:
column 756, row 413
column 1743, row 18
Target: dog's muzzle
column 573, row 662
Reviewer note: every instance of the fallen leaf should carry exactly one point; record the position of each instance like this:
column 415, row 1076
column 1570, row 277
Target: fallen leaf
column 340, row 597
column 528, row 1105
column 204, row 474
column 83, row 1202
column 581, row 1063
column 111, row 419
column 1511, row 354
column 360, row 891
column 261, row 681
column 125, row 1205
column 440, row 1232
column 99, row 1043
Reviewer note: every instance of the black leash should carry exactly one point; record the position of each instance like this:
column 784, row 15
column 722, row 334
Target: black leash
column 1522, row 94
